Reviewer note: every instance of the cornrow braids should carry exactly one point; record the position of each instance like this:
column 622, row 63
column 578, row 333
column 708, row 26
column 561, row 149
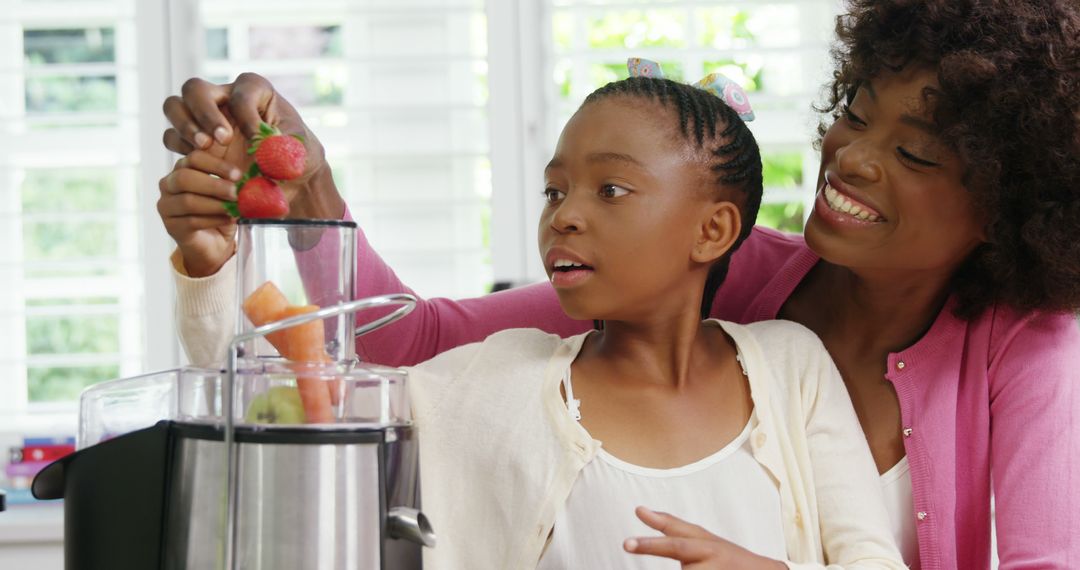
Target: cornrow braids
column 712, row 126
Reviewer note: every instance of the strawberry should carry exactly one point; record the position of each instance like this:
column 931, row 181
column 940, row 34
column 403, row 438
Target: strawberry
column 279, row 156
column 259, row 197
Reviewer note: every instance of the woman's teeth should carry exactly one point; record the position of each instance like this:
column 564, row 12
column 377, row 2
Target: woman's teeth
column 840, row 203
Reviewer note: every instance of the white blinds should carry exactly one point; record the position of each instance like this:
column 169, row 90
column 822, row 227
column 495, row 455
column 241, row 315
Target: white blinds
column 71, row 288
column 397, row 92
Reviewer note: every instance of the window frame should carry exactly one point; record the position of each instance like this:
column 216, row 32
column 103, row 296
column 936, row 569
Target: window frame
column 520, row 113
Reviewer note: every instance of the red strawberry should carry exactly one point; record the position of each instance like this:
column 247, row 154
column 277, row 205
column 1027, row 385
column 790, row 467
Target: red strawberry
column 279, row 156
column 261, row 197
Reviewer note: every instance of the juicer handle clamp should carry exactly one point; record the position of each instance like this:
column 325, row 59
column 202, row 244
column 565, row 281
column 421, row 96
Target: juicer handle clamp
column 406, row 304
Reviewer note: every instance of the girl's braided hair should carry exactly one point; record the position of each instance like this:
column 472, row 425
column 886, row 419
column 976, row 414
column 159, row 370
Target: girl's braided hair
column 1009, row 105
column 711, row 126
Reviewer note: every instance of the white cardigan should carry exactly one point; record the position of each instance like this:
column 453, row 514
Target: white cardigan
column 499, row 452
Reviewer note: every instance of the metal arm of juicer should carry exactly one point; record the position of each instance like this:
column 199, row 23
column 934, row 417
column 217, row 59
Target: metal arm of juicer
column 405, row 304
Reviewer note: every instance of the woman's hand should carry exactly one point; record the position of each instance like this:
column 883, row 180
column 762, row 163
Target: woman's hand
column 693, row 546
column 219, row 119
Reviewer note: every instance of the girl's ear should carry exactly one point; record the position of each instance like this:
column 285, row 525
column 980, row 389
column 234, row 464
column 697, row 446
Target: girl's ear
column 718, row 232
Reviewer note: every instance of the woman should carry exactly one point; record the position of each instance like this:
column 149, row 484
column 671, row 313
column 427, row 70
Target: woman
column 939, row 265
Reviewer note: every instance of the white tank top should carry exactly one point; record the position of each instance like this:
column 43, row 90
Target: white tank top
column 896, row 486
column 729, row 493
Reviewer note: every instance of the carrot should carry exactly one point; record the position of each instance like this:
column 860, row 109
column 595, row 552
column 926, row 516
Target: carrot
column 301, row 343
column 316, row 399
column 265, row 305
column 306, row 342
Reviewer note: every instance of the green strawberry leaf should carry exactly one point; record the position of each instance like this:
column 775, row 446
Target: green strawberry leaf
column 232, row 209
column 253, row 171
column 299, row 138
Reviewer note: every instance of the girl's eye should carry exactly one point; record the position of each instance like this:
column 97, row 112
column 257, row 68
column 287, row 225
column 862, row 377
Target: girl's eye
column 912, row 158
column 852, row 117
column 613, row 191
column 552, row 195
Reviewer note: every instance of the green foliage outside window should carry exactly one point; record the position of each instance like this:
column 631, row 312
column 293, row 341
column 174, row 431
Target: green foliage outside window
column 629, row 29
column 85, row 191
column 65, row 46
column 76, row 334
column 69, row 190
column 67, row 242
column 60, row 384
column 71, row 94
column 721, row 27
column 782, row 170
column 785, row 216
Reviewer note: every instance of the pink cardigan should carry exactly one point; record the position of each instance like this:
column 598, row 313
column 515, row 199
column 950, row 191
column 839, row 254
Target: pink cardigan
column 998, row 395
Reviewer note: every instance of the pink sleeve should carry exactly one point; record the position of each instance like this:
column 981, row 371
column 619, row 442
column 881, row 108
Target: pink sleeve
column 440, row 324
column 1035, row 443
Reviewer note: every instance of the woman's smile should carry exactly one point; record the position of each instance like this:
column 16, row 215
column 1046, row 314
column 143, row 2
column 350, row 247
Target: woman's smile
column 837, row 204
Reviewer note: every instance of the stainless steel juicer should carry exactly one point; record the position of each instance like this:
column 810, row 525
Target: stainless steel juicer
column 198, row 468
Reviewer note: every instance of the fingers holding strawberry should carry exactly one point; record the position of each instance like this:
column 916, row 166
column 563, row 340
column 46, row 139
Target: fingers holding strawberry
column 259, row 197
column 191, row 207
column 208, row 115
column 278, row 157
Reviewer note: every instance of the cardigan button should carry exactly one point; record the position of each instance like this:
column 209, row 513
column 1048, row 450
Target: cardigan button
column 900, row 365
column 907, row 432
column 760, row 439
column 921, row 515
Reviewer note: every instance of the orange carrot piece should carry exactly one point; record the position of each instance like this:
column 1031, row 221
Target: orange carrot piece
column 265, row 305
column 306, row 342
column 301, row 343
column 316, row 399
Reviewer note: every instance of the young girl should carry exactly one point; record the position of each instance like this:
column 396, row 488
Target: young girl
column 745, row 429
column 946, row 299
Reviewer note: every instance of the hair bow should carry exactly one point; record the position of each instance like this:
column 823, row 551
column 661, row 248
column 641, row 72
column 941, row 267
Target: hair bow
column 716, row 83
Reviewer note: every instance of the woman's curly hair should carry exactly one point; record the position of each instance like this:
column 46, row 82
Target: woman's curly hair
column 1009, row 105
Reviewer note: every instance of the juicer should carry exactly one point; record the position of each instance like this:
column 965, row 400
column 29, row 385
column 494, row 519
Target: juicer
column 222, row 468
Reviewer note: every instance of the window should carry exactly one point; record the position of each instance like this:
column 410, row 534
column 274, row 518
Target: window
column 72, row 302
column 776, row 51
column 397, row 92
column 437, row 117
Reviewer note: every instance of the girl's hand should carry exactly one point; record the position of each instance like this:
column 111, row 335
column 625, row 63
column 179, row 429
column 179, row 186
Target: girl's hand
column 207, row 117
column 693, row 546
column 192, row 207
